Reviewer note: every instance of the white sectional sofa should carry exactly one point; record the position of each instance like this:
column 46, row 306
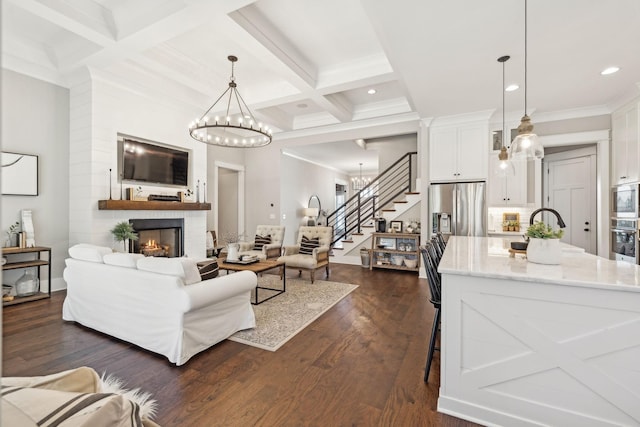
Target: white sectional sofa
column 158, row 304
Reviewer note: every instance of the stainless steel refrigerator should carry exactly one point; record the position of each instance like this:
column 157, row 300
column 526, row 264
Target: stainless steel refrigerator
column 458, row 209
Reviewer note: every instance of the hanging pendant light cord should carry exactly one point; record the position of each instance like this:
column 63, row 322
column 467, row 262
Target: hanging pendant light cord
column 504, row 131
column 526, row 86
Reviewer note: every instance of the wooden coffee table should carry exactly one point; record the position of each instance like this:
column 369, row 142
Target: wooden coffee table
column 258, row 267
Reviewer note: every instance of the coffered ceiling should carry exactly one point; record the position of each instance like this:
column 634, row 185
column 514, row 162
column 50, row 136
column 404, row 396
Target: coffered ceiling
column 308, row 64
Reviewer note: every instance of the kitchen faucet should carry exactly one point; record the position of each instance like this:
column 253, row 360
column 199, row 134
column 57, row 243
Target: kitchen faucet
column 561, row 223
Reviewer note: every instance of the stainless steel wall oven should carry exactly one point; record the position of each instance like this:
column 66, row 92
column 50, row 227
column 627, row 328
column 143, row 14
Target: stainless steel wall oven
column 624, row 201
column 624, row 240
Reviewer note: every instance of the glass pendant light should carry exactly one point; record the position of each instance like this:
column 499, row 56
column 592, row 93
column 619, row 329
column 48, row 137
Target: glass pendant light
column 505, row 167
column 526, row 144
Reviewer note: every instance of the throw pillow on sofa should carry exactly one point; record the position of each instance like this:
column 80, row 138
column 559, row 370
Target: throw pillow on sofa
column 120, row 259
column 88, row 252
column 185, row 268
column 208, row 269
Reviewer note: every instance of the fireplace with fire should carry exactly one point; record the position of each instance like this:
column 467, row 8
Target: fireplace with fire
column 158, row 237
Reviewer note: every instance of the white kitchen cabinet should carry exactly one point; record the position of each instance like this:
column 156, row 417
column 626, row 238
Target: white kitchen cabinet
column 507, row 191
column 458, row 153
column 625, row 142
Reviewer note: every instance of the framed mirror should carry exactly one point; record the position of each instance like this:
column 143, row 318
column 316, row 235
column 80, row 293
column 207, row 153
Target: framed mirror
column 314, row 203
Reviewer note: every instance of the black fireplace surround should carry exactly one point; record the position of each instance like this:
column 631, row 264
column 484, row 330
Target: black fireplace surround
column 166, row 233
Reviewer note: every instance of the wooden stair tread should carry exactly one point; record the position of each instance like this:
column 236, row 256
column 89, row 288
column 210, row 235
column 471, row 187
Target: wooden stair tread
column 400, row 201
column 347, row 241
column 388, row 210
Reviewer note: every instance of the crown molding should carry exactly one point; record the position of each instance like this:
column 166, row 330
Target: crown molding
column 574, row 138
column 369, row 128
column 464, row 118
column 313, row 162
column 383, row 108
column 576, row 113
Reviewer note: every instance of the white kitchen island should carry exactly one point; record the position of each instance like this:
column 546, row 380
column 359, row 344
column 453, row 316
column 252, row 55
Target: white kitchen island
column 526, row 344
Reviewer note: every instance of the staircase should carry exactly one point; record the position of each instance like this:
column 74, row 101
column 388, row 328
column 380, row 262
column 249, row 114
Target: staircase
column 349, row 250
column 389, row 195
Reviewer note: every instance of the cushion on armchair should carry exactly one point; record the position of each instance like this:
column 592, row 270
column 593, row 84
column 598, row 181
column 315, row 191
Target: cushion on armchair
column 308, row 245
column 260, row 241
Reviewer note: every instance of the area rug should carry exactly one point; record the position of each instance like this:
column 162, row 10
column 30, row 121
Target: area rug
column 281, row 318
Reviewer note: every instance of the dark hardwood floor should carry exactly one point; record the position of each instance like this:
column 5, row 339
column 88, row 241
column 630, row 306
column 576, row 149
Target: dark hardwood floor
column 360, row 364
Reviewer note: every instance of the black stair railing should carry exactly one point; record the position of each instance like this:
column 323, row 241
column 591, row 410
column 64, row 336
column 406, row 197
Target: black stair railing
column 383, row 190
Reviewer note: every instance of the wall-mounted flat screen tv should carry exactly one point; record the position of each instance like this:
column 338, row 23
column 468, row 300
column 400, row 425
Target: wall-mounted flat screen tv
column 146, row 163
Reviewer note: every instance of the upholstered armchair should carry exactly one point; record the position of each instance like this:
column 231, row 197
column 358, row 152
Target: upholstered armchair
column 311, row 252
column 266, row 244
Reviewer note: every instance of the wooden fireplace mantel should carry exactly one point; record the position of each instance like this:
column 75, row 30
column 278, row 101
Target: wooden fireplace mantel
column 145, row 205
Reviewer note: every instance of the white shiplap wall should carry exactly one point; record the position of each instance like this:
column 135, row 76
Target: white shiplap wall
column 99, row 111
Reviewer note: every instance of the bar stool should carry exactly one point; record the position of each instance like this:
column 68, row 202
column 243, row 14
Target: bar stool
column 441, row 242
column 429, row 257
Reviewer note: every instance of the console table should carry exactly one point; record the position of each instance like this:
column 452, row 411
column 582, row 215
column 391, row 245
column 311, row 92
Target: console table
column 37, row 263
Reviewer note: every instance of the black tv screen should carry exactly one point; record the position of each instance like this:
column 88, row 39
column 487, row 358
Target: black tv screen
column 154, row 164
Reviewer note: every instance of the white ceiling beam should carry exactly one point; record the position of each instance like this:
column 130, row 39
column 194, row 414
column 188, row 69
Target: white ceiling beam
column 350, row 83
column 358, row 69
column 260, row 29
column 33, row 69
column 336, row 105
column 84, row 18
column 195, row 13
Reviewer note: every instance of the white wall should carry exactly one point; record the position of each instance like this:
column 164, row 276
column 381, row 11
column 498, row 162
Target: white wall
column 263, row 187
column 392, row 148
column 35, row 120
column 299, row 181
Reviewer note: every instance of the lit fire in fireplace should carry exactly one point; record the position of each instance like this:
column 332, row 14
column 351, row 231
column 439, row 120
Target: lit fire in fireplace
column 152, row 248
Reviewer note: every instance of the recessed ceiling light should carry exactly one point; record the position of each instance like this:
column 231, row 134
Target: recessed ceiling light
column 371, row 91
column 512, row 87
column 302, row 105
column 610, row 70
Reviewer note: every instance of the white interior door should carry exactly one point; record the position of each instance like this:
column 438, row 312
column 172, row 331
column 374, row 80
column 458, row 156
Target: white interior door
column 571, row 190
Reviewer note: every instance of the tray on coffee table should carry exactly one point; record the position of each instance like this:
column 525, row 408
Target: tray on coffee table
column 241, row 261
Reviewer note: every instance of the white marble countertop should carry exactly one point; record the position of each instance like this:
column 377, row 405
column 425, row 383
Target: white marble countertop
column 489, row 257
column 506, row 233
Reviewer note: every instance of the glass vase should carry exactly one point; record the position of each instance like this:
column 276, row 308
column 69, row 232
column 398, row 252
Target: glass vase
column 28, row 284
